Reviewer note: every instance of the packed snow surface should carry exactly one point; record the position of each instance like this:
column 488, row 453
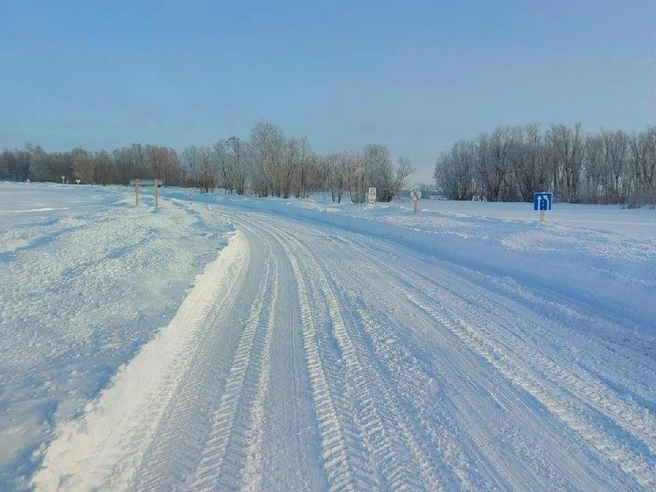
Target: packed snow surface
column 231, row 343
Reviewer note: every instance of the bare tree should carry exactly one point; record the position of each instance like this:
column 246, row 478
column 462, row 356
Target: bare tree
column 288, row 167
column 239, row 168
column 379, row 171
column 357, row 173
column 595, row 177
column 268, row 152
column 643, row 165
column 306, row 164
column 16, row 164
column 616, row 150
column 131, row 163
column 529, row 162
column 454, row 171
column 105, row 172
column 315, row 177
column 494, row 163
column 162, row 163
column 83, row 166
column 644, row 157
column 40, row 165
column 404, row 169
column 200, row 167
column 335, row 170
column 568, row 152
column 224, row 162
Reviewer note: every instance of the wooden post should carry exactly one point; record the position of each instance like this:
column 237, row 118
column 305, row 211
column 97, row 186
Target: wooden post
column 156, row 194
column 136, row 190
column 415, row 205
column 542, row 214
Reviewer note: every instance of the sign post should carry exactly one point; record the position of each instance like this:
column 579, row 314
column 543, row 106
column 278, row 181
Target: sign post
column 372, row 195
column 415, row 194
column 542, row 202
column 138, row 183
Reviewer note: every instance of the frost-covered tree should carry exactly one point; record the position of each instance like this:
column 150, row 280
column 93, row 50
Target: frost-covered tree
column 454, row 171
column 567, row 152
column 105, row 172
column 83, row 166
column 201, row 169
column 240, row 163
column 268, row 152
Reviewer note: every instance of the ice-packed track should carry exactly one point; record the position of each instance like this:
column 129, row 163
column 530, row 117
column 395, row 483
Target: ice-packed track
column 310, row 358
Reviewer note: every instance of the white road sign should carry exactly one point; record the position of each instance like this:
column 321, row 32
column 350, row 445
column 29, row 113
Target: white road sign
column 372, row 195
column 415, row 194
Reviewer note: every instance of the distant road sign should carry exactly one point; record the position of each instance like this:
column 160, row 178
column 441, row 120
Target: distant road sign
column 542, row 201
column 415, row 194
column 372, row 195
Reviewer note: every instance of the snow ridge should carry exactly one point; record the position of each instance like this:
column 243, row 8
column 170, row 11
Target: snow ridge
column 117, row 428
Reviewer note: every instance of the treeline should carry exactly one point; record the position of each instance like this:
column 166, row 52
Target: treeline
column 117, row 167
column 266, row 164
column 514, row 162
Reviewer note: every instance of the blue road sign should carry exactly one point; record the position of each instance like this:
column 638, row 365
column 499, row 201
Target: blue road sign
column 542, row 201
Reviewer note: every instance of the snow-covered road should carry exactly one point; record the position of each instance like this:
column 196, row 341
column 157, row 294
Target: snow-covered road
column 311, row 357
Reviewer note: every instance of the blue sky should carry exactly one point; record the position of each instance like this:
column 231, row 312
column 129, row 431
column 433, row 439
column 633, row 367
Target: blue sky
column 414, row 75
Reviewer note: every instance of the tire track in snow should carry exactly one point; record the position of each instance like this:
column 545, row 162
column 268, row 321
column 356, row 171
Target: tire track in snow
column 606, row 350
column 635, row 420
column 370, row 390
column 342, row 460
column 236, row 423
column 625, row 411
column 423, row 394
column 391, row 474
column 254, row 471
column 419, row 429
column 386, row 430
column 291, row 393
column 176, row 444
column 367, row 341
column 632, row 463
column 628, row 414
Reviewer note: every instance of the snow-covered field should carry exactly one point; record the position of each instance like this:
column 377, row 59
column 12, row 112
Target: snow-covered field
column 323, row 347
column 86, row 279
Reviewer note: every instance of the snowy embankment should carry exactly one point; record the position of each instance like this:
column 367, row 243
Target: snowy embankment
column 87, row 279
column 328, row 346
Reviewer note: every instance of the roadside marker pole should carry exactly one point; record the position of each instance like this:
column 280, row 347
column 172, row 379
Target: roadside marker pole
column 136, row 190
column 156, row 201
column 415, row 194
column 542, row 214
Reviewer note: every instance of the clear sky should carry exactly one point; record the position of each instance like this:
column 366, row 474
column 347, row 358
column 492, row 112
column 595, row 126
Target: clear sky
column 414, row 75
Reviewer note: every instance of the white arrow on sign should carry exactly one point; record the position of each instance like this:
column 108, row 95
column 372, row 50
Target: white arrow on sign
column 545, row 198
